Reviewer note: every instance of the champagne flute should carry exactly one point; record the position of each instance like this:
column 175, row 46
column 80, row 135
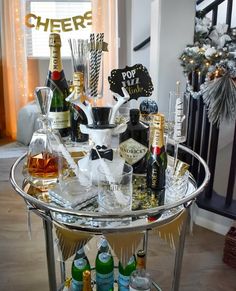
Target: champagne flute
column 177, row 120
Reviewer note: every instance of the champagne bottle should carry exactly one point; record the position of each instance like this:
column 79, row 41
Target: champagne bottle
column 59, row 111
column 79, row 265
column 134, row 143
column 140, row 279
column 104, row 266
column 77, row 114
column 156, row 157
column 87, row 281
column 124, row 274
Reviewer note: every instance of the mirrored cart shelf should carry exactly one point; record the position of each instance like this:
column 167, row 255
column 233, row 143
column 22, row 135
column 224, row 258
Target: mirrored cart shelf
column 86, row 216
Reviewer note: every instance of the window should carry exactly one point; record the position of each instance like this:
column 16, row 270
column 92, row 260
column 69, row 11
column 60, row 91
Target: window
column 37, row 39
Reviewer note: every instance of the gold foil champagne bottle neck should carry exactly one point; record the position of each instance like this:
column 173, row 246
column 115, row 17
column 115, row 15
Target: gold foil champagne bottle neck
column 157, row 131
column 78, row 82
column 159, row 121
column 54, row 40
column 55, row 63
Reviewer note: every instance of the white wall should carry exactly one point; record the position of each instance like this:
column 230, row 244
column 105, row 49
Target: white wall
column 172, row 28
column 140, row 30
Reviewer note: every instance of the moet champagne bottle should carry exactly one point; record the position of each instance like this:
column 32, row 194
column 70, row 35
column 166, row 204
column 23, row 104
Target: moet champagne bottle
column 156, row 157
column 134, row 143
column 77, row 114
column 59, row 111
column 156, row 165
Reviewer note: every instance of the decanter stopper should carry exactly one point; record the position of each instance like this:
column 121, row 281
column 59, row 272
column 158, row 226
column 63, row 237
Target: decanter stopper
column 43, row 96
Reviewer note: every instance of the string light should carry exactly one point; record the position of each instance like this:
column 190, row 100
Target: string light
column 21, row 61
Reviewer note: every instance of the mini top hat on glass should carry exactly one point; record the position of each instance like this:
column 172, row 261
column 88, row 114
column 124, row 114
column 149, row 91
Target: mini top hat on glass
column 101, row 118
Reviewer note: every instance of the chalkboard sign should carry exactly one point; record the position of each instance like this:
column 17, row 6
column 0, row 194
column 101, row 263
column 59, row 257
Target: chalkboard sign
column 136, row 80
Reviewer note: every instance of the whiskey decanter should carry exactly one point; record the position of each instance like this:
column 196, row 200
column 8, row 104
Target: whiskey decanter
column 43, row 160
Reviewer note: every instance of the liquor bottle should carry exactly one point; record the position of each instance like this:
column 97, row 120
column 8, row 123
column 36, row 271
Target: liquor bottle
column 104, row 266
column 134, row 143
column 59, row 111
column 156, row 157
column 124, row 274
column 77, row 115
column 79, row 265
column 87, row 281
column 140, row 279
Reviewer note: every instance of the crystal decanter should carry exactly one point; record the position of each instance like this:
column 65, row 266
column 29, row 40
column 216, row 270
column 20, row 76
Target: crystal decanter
column 44, row 161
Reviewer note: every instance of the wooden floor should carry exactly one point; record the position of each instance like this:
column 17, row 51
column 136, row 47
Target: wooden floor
column 23, row 261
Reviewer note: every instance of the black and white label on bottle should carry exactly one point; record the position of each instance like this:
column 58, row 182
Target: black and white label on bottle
column 132, row 151
column 60, row 120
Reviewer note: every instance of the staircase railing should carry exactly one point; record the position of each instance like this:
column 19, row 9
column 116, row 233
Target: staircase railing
column 203, row 137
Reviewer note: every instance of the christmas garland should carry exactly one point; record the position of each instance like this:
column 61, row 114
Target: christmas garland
column 213, row 58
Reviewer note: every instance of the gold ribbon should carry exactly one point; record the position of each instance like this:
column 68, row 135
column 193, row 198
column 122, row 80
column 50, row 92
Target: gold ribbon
column 171, row 231
column 99, row 46
column 124, row 244
column 70, row 240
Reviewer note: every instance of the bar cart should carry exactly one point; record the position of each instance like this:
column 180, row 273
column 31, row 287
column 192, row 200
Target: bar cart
column 90, row 221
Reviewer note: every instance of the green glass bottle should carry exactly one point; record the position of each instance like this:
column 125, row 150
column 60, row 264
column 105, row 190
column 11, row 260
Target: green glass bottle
column 133, row 143
column 156, row 157
column 124, row 274
column 104, row 266
column 59, row 111
column 79, row 265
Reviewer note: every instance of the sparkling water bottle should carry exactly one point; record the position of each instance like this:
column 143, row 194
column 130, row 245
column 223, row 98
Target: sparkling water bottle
column 124, row 274
column 104, row 266
column 79, row 265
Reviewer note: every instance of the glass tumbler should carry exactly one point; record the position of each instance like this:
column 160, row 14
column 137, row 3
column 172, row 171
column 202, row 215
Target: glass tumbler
column 115, row 188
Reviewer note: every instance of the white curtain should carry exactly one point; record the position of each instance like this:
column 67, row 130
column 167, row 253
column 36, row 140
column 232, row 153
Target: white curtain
column 105, row 20
column 15, row 74
column 16, row 78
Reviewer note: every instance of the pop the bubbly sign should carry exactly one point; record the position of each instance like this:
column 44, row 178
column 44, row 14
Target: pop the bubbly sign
column 136, row 80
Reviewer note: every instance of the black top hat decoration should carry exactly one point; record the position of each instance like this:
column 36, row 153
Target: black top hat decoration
column 101, row 118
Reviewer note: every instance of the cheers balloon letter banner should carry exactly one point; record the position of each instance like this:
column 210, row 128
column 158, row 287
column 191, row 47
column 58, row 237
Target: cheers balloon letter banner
column 59, row 25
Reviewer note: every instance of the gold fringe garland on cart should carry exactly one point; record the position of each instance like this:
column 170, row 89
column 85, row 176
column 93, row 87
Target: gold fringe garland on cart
column 171, row 231
column 70, row 240
column 124, row 244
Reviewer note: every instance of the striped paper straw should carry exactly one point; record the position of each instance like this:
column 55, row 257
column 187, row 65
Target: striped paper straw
column 99, row 42
column 92, row 65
